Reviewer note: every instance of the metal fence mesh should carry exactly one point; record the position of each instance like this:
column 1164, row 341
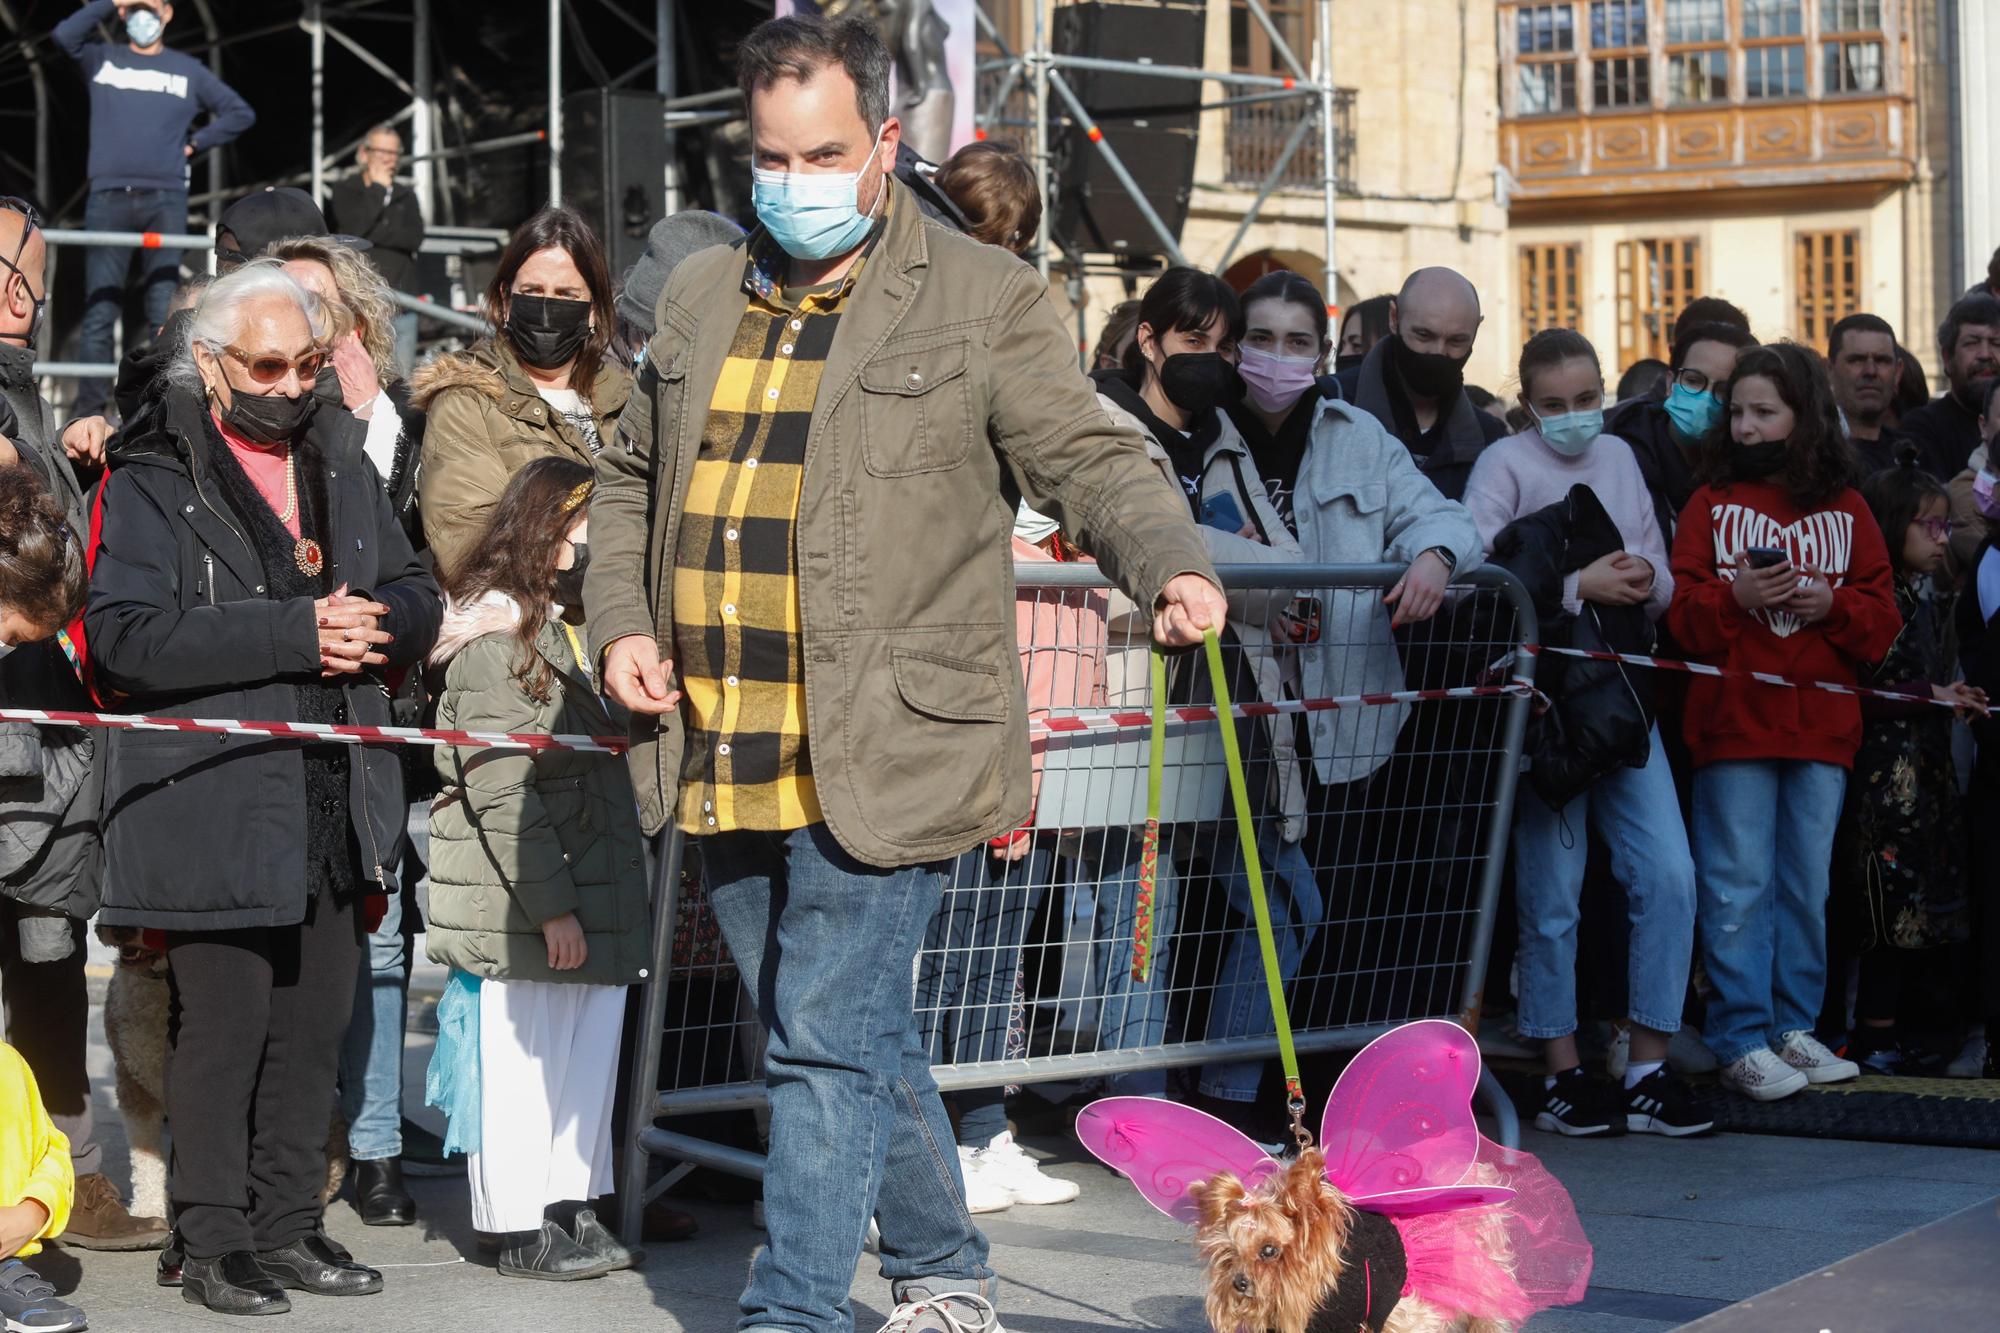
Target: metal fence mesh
column 1378, row 825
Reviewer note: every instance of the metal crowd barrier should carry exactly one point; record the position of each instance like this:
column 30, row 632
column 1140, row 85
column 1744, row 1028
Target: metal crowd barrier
column 1382, row 872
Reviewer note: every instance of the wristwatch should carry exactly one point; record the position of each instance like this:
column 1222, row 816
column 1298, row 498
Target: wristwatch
column 1445, row 554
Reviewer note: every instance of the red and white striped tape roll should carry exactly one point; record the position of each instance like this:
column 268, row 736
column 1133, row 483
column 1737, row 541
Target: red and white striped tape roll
column 1728, row 673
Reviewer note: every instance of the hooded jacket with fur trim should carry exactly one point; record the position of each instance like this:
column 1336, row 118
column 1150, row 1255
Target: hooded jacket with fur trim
column 487, row 422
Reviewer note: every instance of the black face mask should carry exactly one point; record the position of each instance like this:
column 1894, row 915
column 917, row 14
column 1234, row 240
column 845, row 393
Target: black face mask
column 547, row 331
column 1431, row 375
column 327, row 389
column 268, row 419
column 1753, row 462
column 569, row 582
column 1198, row 381
column 1349, row 361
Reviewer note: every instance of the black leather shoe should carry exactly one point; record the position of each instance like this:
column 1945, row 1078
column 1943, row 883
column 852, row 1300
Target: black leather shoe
column 548, row 1255
column 168, row 1271
column 311, row 1263
column 233, row 1284
column 592, row 1235
column 379, row 1195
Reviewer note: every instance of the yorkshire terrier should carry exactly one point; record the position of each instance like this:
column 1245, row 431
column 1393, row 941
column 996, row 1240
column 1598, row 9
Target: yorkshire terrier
column 1293, row 1256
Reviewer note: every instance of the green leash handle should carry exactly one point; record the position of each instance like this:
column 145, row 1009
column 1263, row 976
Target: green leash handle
column 1253, row 869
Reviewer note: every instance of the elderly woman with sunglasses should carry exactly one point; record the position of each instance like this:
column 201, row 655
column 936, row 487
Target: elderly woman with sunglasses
column 250, row 567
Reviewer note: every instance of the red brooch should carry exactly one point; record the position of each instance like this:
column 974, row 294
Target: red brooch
column 309, row 558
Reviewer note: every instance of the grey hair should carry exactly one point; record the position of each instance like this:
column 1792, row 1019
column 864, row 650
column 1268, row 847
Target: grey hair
column 798, row 46
column 216, row 318
column 381, row 127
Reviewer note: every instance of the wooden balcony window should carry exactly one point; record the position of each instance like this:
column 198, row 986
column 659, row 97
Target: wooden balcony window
column 1257, row 134
column 1696, row 21
column 1774, row 71
column 1827, row 282
column 1549, row 287
column 1773, row 18
column 1656, row 279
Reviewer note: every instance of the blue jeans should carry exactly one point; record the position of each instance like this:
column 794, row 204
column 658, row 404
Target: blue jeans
column 107, row 268
column 1763, row 841
column 371, row 1058
column 857, row 1130
column 1638, row 815
column 965, row 975
column 1130, row 1013
column 1242, row 1003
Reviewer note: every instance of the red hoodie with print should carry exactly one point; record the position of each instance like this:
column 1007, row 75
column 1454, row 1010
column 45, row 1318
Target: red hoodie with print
column 1742, row 719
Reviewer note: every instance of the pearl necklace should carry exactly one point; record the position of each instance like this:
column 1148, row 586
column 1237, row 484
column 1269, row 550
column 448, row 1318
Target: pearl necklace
column 291, row 488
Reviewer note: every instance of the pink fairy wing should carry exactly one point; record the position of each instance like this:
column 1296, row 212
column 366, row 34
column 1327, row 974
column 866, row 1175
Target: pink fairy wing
column 1164, row 1147
column 1400, row 1118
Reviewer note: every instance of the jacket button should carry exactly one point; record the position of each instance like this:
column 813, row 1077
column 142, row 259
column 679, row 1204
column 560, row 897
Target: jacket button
column 260, row 587
column 643, row 974
column 635, row 863
column 188, row 510
column 913, row 380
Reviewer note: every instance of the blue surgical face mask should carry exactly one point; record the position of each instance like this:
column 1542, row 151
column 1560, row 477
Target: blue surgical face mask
column 143, row 27
column 1694, row 414
column 816, row 215
column 1571, row 433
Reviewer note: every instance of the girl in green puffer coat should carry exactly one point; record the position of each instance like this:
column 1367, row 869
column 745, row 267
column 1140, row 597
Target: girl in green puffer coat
column 538, row 886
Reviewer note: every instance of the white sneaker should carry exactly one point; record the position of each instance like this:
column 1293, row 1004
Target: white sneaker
column 1971, row 1059
column 1762, row 1076
column 1804, row 1052
column 1003, row 1163
column 1687, row 1053
column 984, row 1192
column 952, row 1312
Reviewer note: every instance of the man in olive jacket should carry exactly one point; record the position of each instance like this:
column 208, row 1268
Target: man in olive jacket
column 807, row 510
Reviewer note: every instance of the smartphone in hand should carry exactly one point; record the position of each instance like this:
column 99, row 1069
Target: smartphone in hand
column 1220, row 511
column 1764, row 557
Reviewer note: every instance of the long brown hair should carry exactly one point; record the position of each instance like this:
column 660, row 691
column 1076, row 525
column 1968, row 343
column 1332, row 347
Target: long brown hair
column 561, row 229
column 516, row 554
column 1819, row 463
column 41, row 560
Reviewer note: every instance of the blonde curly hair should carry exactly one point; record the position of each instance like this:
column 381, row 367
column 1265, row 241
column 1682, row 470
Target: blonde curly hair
column 365, row 305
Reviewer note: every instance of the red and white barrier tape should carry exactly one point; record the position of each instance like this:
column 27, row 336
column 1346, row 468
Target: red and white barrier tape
column 320, row 731
column 1729, row 673
column 1066, row 725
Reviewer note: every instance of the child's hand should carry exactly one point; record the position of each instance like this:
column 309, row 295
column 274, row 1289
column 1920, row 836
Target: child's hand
column 1756, row 589
column 19, row 1224
column 1969, row 700
column 567, row 949
column 1616, row 579
column 1811, row 600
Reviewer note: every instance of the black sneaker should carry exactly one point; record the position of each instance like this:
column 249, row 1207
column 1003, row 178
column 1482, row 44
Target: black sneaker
column 1661, row 1104
column 1580, row 1107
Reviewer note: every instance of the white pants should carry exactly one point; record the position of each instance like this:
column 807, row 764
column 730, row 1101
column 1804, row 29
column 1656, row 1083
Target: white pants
column 548, row 1067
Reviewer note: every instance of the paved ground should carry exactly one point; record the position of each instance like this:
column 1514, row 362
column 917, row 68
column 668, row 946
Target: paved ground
column 1682, row 1230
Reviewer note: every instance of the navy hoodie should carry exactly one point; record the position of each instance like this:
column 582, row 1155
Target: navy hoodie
column 141, row 106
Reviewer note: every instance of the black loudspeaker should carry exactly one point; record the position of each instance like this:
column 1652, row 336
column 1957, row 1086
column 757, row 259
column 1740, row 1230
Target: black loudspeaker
column 1149, row 122
column 614, row 167
column 1146, row 34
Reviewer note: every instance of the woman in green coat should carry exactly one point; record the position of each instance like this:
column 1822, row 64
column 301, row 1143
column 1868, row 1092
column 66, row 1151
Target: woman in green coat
column 538, row 885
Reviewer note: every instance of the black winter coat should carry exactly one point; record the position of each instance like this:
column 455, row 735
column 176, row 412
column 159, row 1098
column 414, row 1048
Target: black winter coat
column 209, row 832
column 1644, row 424
column 1600, row 717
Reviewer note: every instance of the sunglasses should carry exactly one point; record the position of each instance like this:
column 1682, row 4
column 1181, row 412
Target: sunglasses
column 269, row 367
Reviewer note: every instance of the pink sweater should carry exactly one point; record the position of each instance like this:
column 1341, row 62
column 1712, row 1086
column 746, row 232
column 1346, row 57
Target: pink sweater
column 1521, row 474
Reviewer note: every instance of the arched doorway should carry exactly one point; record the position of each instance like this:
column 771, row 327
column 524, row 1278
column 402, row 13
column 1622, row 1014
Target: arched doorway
column 1251, row 267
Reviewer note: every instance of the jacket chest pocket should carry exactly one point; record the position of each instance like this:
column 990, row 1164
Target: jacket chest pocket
column 916, row 410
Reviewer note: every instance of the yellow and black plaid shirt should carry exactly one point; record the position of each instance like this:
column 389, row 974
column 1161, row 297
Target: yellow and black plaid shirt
column 736, row 589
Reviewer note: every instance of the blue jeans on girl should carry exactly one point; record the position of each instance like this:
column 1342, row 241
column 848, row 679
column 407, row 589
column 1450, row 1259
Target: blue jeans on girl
column 1637, row 814
column 1763, row 843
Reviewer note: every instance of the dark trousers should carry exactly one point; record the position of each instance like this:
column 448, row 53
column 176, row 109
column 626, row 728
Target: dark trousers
column 253, row 1045
column 48, row 1022
column 106, row 270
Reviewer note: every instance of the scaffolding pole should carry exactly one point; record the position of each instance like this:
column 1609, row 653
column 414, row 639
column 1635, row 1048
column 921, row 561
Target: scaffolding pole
column 316, row 29
column 555, row 103
column 422, row 143
column 1328, row 160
